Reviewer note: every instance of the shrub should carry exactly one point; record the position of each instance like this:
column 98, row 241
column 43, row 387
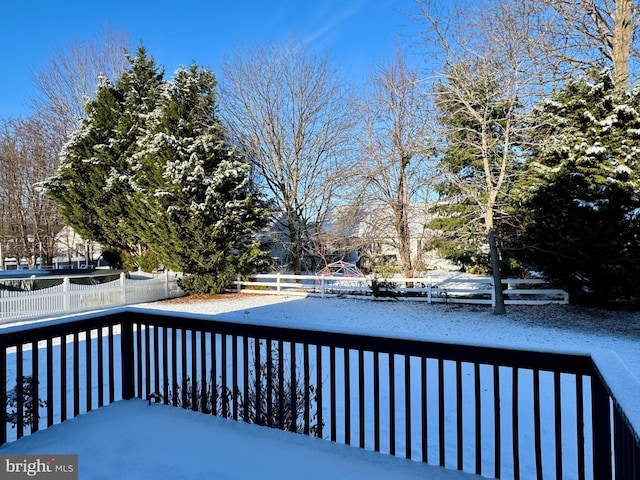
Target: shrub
column 272, row 395
column 30, row 409
column 383, row 288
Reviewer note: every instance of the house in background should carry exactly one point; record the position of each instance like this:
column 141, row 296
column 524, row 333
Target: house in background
column 362, row 235
column 72, row 251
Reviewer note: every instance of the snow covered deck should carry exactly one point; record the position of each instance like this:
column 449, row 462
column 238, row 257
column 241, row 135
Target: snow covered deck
column 135, row 441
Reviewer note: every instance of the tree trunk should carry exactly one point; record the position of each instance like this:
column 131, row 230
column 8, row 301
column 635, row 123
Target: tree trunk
column 621, row 43
column 294, row 243
column 404, row 242
column 498, row 309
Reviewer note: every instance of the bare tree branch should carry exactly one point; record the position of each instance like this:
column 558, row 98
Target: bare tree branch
column 290, row 111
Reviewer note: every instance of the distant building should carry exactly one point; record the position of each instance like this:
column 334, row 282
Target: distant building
column 363, row 235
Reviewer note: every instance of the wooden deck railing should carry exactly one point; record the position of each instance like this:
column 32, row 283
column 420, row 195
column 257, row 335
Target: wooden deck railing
column 497, row 412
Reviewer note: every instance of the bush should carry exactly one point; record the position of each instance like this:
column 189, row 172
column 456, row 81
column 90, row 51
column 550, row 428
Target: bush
column 383, row 288
column 30, row 409
column 205, row 283
column 271, row 394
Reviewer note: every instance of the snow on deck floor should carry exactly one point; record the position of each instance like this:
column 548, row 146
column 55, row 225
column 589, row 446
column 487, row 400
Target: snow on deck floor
column 132, row 440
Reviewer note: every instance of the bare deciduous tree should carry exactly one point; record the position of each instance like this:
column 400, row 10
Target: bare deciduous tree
column 395, row 167
column 485, row 78
column 289, row 110
column 29, row 221
column 71, row 77
column 593, row 33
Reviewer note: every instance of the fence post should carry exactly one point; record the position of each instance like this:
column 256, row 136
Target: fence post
column 322, row 286
column 429, row 285
column 66, row 294
column 166, row 283
column 278, row 283
column 126, row 355
column 493, row 294
column 123, row 292
column 239, row 284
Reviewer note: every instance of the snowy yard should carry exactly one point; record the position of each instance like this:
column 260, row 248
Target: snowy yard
column 547, row 327
column 98, row 436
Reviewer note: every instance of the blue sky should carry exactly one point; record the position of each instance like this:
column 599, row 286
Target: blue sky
column 356, row 33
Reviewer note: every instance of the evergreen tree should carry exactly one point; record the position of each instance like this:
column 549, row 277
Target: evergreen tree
column 92, row 185
column 150, row 166
column 199, row 210
column 580, row 200
column 482, row 130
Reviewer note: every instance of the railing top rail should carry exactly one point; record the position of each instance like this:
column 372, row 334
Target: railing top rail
column 572, row 362
column 42, row 330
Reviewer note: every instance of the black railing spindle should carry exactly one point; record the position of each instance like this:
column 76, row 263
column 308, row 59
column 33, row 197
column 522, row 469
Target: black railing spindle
column 194, row 374
column 50, row 401
column 307, row 389
column 557, row 402
column 319, row 381
column 347, row 397
column 76, row 374
column 478, row 417
column 536, row 423
column 88, row 370
column 441, row 432
column 294, row 388
column 361, row 399
column 35, row 395
column 203, row 373
column 245, row 378
column 424, row 420
column 407, row 406
column 63, row 377
column 19, row 392
column 376, row 401
column 392, row 404
column 100, row 368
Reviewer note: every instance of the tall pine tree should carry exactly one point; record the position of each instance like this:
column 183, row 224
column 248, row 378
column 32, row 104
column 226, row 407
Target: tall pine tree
column 482, row 132
column 150, row 165
column 92, row 185
column 580, row 197
column 199, row 209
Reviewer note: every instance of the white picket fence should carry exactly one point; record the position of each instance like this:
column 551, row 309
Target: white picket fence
column 69, row 297
column 444, row 289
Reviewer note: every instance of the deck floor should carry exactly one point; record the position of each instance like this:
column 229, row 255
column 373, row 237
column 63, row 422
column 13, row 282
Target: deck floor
column 132, row 440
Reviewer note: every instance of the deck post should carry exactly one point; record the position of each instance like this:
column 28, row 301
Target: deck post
column 126, row 352
column 600, row 414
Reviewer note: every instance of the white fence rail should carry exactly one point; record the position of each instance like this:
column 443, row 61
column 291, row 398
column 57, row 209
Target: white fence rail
column 69, row 297
column 451, row 289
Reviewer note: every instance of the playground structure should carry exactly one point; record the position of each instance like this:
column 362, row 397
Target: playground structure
column 340, row 269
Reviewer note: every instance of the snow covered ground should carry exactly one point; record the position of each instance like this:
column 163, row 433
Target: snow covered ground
column 548, row 327
column 150, row 442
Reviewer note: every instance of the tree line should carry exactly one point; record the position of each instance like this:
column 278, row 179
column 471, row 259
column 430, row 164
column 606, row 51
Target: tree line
column 515, row 141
